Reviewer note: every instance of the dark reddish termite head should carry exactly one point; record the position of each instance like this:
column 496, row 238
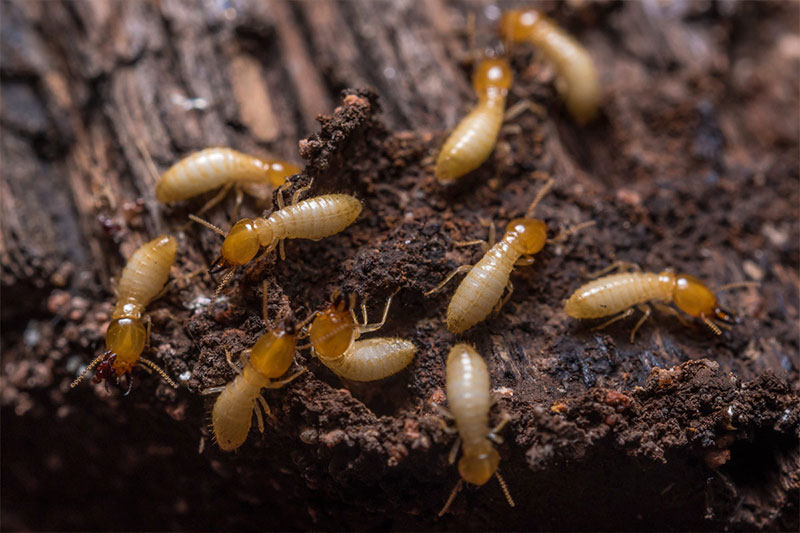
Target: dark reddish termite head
column 105, row 369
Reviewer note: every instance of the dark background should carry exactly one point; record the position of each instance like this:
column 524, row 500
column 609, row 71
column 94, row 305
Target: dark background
column 693, row 164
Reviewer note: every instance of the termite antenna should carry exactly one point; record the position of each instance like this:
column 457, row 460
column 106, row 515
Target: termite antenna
column 737, row 285
column 160, row 372
column 505, row 488
column 88, row 369
column 567, row 232
column 225, row 279
column 712, row 326
column 542, row 192
column 207, row 224
column 452, row 497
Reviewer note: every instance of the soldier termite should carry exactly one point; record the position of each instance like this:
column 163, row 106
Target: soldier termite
column 313, row 218
column 334, row 334
column 473, row 140
column 268, row 359
column 142, row 281
column 481, row 290
column 623, row 292
column 469, row 396
column 578, row 83
column 208, row 169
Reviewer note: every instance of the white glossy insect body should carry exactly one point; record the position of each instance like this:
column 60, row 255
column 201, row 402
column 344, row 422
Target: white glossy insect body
column 469, row 397
column 314, row 218
column 578, row 86
column 616, row 293
column 372, row 359
column 473, row 140
column 482, row 287
column 232, row 414
column 211, row 168
column 144, row 275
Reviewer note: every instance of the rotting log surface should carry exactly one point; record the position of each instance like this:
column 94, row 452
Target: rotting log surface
column 692, row 165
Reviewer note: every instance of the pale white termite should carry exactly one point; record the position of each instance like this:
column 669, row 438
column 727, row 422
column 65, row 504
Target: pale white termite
column 268, row 359
column 334, row 340
column 313, row 218
column 208, row 169
column 469, row 396
column 622, row 293
column 481, row 290
column 473, row 140
column 578, row 83
column 142, row 280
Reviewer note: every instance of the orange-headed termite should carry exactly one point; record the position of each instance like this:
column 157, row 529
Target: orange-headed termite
column 481, row 290
column 474, row 138
column 268, row 359
column 313, row 218
column 469, row 395
column 622, row 293
column 578, row 83
column 142, row 280
column 208, row 169
column 334, row 340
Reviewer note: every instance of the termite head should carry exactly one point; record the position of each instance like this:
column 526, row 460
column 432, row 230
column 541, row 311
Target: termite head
column 125, row 340
column 479, row 468
column 240, row 246
column 694, row 298
column 105, row 369
column 333, row 328
column 517, row 24
column 492, row 74
column 273, row 353
column 527, row 235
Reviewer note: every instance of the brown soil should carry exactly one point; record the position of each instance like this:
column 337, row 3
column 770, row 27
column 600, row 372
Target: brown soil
column 694, row 170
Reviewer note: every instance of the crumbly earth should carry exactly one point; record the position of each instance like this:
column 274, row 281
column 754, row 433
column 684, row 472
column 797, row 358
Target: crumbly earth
column 681, row 430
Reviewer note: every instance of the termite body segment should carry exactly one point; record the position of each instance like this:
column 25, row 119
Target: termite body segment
column 208, row 169
column 621, row 293
column 578, row 85
column 472, row 141
column 269, row 358
column 469, row 397
column 334, row 340
column 481, row 290
column 142, row 280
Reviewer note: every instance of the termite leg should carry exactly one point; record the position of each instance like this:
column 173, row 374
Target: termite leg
column 486, row 245
column 149, row 323
column 238, row 202
column 368, row 328
column 283, row 382
column 257, row 411
column 506, row 298
column 160, row 372
column 616, row 265
column 452, row 497
column 264, row 286
column 212, row 390
column 462, row 268
column 567, row 232
column 216, row 199
column 669, row 310
column 520, row 107
column 444, row 411
column 229, row 357
column 624, row 314
column 451, row 458
column 494, row 433
column 301, row 190
column 644, row 308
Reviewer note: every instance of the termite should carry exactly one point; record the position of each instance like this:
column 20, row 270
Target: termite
column 481, row 290
column 469, row 395
column 577, row 84
column 268, row 359
column 142, row 281
column 474, row 138
column 208, row 169
column 334, row 334
column 313, row 218
column 623, row 292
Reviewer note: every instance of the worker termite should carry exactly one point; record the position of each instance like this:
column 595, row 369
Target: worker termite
column 208, row 169
column 334, row 334
column 577, row 82
column 470, row 144
column 469, row 395
column 626, row 291
column 481, row 290
column 313, row 218
column 268, row 359
column 142, row 280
